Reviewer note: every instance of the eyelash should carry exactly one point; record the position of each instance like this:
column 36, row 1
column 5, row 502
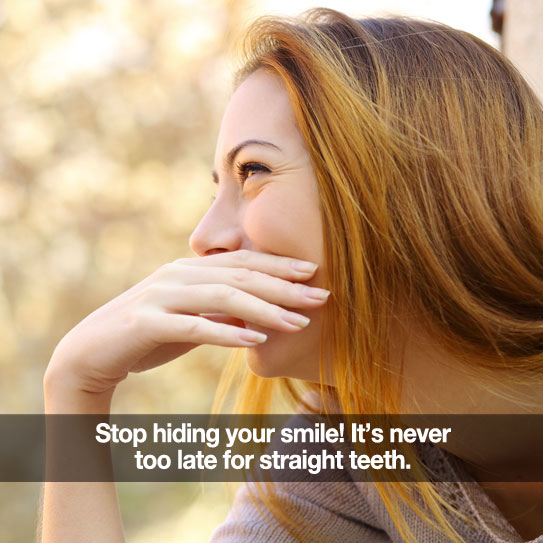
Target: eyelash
column 243, row 168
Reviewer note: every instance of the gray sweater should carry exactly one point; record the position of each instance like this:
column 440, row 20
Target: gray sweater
column 354, row 512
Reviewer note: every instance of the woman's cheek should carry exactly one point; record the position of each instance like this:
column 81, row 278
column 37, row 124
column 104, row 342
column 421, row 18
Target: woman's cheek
column 285, row 223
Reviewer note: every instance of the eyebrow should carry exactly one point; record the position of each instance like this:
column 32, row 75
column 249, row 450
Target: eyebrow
column 231, row 156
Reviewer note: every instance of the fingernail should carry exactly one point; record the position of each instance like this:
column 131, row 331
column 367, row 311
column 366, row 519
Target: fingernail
column 301, row 321
column 303, row 266
column 316, row 293
column 250, row 336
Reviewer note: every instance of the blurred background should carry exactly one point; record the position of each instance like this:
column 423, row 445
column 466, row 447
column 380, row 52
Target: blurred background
column 109, row 110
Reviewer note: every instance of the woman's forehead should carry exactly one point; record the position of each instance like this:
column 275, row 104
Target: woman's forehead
column 260, row 108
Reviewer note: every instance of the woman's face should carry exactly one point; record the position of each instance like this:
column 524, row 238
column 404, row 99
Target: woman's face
column 267, row 201
column 276, row 210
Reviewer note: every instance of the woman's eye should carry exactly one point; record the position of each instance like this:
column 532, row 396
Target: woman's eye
column 248, row 169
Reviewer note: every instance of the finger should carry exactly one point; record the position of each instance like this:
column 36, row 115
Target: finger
column 280, row 266
column 174, row 328
column 273, row 289
column 222, row 298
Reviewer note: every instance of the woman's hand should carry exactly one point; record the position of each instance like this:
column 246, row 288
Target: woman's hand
column 183, row 304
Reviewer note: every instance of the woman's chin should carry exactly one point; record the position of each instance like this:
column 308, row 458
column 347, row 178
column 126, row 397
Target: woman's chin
column 279, row 356
column 287, row 354
column 264, row 360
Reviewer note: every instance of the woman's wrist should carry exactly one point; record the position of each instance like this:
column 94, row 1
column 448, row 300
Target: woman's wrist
column 63, row 396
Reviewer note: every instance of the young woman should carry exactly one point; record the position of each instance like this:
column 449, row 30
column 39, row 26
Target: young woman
column 397, row 164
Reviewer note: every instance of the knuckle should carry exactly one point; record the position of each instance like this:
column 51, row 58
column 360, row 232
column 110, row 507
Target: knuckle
column 224, row 293
column 149, row 294
column 298, row 290
column 160, row 272
column 277, row 312
column 242, row 275
column 194, row 328
column 166, row 270
column 243, row 255
column 169, row 268
column 137, row 322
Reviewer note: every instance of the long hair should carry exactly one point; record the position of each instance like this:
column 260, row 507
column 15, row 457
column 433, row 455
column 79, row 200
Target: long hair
column 427, row 146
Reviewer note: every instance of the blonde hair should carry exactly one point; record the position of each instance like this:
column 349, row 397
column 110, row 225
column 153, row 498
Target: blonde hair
column 427, row 146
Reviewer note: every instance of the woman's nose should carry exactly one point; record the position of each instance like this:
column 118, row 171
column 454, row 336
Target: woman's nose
column 218, row 231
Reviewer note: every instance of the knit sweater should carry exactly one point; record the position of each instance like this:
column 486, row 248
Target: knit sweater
column 349, row 512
